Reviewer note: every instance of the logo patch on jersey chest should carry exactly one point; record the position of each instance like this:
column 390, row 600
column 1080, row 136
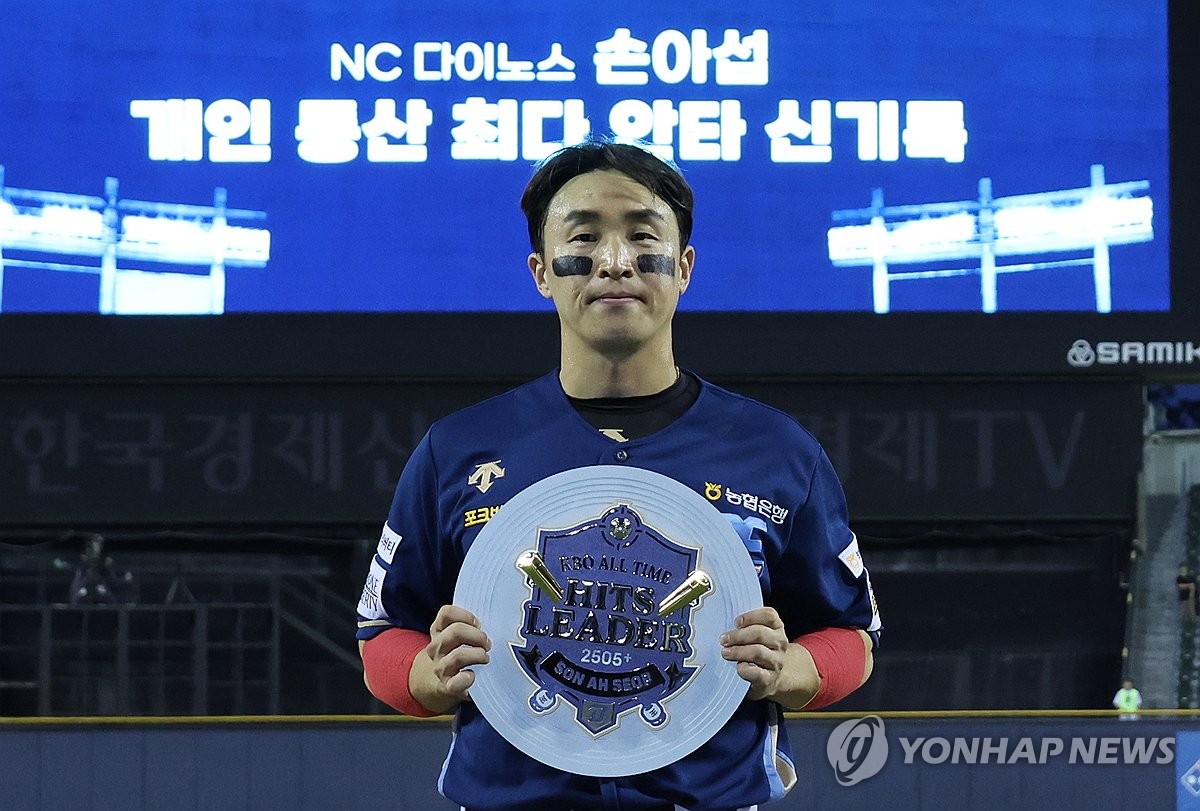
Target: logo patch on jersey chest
column 485, row 475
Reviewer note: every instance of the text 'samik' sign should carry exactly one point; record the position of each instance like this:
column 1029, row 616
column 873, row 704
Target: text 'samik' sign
column 607, row 627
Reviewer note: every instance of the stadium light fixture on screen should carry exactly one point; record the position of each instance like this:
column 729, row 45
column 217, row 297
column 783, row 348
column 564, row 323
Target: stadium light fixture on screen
column 1089, row 219
column 80, row 227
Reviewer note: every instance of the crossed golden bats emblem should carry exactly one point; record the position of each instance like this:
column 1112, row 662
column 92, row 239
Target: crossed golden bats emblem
column 689, row 592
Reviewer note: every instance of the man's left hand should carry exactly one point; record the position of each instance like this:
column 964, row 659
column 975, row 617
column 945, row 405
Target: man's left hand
column 759, row 645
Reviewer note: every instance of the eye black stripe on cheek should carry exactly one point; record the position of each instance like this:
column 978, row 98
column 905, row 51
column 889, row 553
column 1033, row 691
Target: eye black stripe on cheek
column 655, row 263
column 572, row 265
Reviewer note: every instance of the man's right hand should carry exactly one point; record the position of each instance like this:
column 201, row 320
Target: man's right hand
column 439, row 678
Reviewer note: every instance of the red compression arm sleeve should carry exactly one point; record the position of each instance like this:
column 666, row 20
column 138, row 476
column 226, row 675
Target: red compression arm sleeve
column 387, row 660
column 841, row 660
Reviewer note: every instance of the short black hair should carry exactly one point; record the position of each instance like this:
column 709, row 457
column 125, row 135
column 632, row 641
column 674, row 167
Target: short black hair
column 661, row 177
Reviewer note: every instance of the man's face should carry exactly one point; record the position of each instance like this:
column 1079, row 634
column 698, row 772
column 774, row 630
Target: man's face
column 612, row 261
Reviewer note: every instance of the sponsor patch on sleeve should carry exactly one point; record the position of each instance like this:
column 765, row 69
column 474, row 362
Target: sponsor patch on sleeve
column 388, row 542
column 370, row 604
column 852, row 558
column 876, row 623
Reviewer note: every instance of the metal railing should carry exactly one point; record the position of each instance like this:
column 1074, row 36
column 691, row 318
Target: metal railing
column 194, row 659
column 200, row 637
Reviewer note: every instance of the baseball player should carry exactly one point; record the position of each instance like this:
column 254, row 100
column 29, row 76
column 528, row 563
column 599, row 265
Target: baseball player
column 609, row 226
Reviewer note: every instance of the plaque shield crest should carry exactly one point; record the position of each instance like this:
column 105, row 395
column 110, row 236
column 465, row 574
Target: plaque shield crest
column 604, row 646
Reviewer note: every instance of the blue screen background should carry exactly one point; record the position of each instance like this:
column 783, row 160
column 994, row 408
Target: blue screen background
column 1046, row 93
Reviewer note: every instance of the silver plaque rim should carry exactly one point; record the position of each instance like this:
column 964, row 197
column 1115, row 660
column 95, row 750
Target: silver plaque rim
column 490, row 586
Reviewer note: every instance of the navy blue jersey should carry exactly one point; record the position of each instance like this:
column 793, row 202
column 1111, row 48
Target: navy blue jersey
column 755, row 464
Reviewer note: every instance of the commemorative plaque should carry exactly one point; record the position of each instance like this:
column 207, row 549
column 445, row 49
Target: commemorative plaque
column 605, row 591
